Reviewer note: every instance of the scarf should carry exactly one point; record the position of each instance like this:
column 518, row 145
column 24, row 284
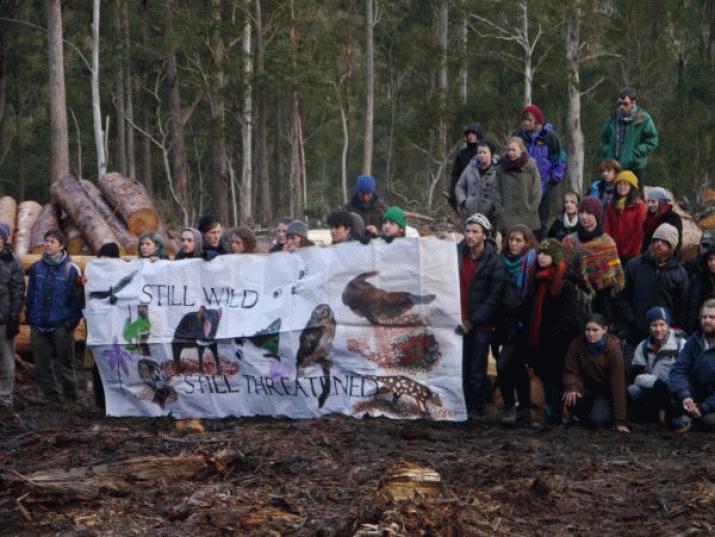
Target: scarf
column 513, row 264
column 55, row 260
column 597, row 260
column 620, row 203
column 623, row 119
column 587, row 236
column 570, row 223
column 521, row 268
column 514, row 165
column 594, row 349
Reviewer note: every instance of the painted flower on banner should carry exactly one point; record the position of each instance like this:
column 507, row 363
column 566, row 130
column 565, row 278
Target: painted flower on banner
column 118, row 360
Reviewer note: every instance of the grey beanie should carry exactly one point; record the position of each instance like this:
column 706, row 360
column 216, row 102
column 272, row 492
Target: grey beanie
column 667, row 233
column 296, row 227
column 659, row 194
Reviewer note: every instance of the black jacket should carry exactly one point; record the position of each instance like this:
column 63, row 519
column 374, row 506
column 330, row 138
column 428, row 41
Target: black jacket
column 371, row 213
column 648, row 285
column 559, row 229
column 12, row 287
column 487, row 283
column 668, row 217
column 702, row 287
column 461, row 161
column 562, row 316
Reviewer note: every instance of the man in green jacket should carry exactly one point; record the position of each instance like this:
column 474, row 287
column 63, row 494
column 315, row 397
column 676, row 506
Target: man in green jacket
column 629, row 135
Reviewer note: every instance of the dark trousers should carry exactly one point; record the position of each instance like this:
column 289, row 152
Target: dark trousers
column 54, row 362
column 544, row 207
column 584, row 404
column 646, row 403
column 548, row 364
column 513, row 375
column 474, row 370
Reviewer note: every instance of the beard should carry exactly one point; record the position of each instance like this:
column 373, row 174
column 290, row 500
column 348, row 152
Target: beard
column 709, row 331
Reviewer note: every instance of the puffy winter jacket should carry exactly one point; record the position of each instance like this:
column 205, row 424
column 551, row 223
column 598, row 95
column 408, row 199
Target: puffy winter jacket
column 478, row 191
column 53, row 295
column 693, row 373
column 485, row 290
column 660, row 362
column 12, row 286
column 545, row 148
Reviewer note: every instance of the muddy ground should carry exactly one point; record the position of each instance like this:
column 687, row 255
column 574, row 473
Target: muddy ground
column 77, row 473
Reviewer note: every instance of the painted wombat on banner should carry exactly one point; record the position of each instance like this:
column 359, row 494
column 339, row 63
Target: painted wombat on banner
column 198, row 330
column 151, row 374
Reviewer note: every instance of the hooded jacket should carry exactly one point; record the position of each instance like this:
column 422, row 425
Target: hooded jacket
column 52, row 294
column 461, row 161
column 693, row 373
column 371, row 213
column 478, row 191
column 12, row 286
column 639, row 139
column 545, row 148
column 198, row 245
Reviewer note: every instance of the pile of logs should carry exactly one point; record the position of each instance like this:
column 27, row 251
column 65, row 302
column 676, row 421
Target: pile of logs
column 118, row 210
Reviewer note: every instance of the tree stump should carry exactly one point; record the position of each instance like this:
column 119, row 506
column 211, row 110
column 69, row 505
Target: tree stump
column 27, row 214
column 49, row 218
column 127, row 241
column 131, row 201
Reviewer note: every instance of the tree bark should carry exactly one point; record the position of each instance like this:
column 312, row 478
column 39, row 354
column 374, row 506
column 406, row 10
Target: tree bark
column 281, row 188
column 59, row 143
column 219, row 165
column 297, row 203
column 68, row 192
column 147, row 176
column 247, row 123
column 369, row 88
column 178, row 141
column 528, row 69
column 75, row 241
column 49, row 218
column 128, row 89
column 443, row 35
column 463, row 69
column 27, row 213
column 127, row 241
column 575, row 132
column 129, row 198
column 264, row 181
column 96, row 105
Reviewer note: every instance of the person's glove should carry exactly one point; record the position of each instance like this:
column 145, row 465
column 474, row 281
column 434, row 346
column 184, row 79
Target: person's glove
column 464, row 328
column 11, row 330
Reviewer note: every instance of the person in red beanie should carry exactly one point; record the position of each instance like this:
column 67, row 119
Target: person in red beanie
column 544, row 147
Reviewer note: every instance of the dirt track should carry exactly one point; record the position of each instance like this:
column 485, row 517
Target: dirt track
column 322, row 477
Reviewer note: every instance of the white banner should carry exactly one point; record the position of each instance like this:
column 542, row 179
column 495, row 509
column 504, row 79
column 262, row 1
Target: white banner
column 350, row 328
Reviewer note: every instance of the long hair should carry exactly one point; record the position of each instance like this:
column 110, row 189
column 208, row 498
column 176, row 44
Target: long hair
column 528, row 235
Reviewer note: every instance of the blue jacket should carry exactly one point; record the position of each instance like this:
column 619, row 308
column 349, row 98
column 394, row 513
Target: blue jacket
column 544, row 147
column 693, row 374
column 53, row 294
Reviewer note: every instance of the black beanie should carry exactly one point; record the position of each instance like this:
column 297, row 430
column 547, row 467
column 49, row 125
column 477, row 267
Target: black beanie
column 108, row 249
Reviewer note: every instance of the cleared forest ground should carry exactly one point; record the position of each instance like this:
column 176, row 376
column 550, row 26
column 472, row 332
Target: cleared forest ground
column 80, row 473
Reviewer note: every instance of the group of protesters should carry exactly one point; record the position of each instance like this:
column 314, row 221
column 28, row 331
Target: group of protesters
column 597, row 302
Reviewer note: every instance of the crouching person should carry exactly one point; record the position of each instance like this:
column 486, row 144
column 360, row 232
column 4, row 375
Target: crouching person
column 54, row 310
column 654, row 357
column 692, row 377
column 481, row 277
column 594, row 377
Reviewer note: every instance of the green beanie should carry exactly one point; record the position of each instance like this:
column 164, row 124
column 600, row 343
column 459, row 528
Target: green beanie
column 553, row 248
column 396, row 215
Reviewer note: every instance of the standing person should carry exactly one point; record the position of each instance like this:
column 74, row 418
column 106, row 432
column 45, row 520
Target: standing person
column 472, row 135
column 660, row 211
column 594, row 367
column 701, row 283
column 53, row 311
column 481, row 278
column 629, row 135
column 655, row 279
column 692, row 376
column 595, row 256
column 12, row 293
column 605, row 188
column 211, row 231
column 239, row 240
column 520, row 185
column 296, row 236
column 693, row 266
column 566, row 222
column 554, row 319
column 544, row 147
column 367, row 204
column 192, row 245
column 519, row 260
column 279, row 242
column 151, row 246
column 650, row 392
column 625, row 215
column 477, row 190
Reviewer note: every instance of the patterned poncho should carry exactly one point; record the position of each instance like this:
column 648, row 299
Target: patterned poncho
column 597, row 261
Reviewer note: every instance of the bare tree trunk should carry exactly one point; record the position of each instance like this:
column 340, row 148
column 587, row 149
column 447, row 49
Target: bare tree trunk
column 370, row 87
column 129, row 91
column 264, row 182
column 575, row 133
column 528, row 53
column 443, row 31
column 59, row 145
column 178, row 142
column 147, row 177
column 121, row 163
column 463, row 70
column 247, row 124
column 281, row 188
column 96, row 103
column 220, row 180
column 346, row 146
column 297, row 207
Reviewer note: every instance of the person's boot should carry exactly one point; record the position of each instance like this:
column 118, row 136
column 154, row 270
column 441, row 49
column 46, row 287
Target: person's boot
column 523, row 415
column 508, row 416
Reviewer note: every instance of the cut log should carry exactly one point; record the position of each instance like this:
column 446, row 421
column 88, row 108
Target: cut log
column 8, row 213
column 27, row 214
column 68, row 192
column 23, row 343
column 75, row 240
column 127, row 241
column 49, row 218
column 131, row 201
column 171, row 246
column 692, row 230
column 28, row 260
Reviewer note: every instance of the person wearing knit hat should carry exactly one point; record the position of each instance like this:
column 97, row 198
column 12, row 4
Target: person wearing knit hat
column 151, row 246
column 366, row 203
column 624, row 217
column 650, row 393
column 660, row 211
column 554, row 318
column 655, row 278
column 544, row 147
column 395, row 222
column 296, row 236
column 12, row 281
column 591, row 205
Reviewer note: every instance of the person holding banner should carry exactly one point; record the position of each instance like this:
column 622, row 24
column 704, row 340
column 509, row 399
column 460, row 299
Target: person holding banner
column 211, row 230
column 12, row 291
column 482, row 276
column 297, row 236
column 192, row 244
column 239, row 240
column 394, row 223
column 151, row 246
column 53, row 311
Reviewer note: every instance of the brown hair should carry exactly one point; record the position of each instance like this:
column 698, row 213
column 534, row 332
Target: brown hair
column 611, row 164
column 247, row 236
column 528, row 235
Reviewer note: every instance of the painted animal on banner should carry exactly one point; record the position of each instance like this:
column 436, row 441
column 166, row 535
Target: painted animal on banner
column 377, row 305
column 137, row 332
column 197, row 330
column 399, row 385
column 267, row 339
column 151, row 374
column 111, row 293
column 316, row 343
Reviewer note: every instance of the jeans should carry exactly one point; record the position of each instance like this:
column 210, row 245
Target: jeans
column 54, row 362
column 474, row 370
column 7, row 368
